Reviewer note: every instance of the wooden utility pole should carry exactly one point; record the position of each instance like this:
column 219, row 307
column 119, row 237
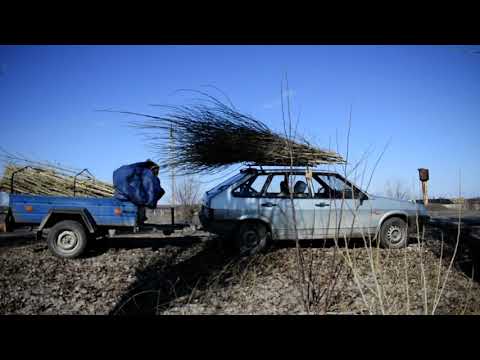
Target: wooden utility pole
column 424, row 177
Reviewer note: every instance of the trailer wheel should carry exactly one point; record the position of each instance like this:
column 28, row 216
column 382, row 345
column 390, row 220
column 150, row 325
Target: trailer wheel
column 67, row 239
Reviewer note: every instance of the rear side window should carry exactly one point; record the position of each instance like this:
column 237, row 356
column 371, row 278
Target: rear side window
column 280, row 186
column 276, row 187
column 251, row 188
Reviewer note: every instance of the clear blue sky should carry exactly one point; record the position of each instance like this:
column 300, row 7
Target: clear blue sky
column 425, row 98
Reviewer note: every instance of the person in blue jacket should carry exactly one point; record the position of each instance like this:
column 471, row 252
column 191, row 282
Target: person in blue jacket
column 138, row 183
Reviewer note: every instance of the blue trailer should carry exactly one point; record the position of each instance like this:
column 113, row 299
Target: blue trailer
column 69, row 223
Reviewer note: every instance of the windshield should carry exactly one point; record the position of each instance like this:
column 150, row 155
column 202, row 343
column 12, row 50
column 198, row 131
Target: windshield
column 227, row 183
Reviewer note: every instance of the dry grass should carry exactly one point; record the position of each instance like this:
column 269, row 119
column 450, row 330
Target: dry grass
column 268, row 284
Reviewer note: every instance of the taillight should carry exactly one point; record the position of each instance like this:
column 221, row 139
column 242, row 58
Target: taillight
column 118, row 211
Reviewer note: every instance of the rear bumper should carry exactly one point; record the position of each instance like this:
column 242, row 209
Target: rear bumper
column 216, row 226
column 223, row 227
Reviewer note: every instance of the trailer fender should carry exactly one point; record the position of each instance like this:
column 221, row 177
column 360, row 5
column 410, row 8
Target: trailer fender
column 56, row 215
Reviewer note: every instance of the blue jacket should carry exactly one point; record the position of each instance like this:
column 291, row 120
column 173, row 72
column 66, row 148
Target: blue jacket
column 138, row 184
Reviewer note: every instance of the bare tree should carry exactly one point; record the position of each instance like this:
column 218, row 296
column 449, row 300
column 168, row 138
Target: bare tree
column 315, row 294
column 187, row 196
column 397, row 190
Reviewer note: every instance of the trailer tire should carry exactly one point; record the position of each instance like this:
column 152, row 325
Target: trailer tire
column 67, row 239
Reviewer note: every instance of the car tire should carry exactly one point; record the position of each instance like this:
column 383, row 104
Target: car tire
column 393, row 233
column 251, row 238
column 67, row 239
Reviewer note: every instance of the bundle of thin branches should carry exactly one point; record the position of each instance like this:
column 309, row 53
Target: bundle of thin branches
column 210, row 136
column 48, row 179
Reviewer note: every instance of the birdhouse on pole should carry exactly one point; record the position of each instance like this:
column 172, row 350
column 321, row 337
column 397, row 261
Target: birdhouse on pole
column 424, row 177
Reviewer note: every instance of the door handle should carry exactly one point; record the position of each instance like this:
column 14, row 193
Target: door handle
column 322, row 204
column 268, row 204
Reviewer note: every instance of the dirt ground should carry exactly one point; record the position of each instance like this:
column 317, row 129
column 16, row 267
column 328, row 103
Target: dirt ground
column 190, row 273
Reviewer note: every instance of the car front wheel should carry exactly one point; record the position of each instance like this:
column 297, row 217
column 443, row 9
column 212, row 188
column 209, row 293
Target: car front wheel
column 393, row 233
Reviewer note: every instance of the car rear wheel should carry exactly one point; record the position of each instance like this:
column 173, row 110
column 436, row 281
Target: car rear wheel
column 393, row 233
column 251, row 238
column 67, row 239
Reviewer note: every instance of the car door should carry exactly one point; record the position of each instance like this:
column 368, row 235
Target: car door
column 343, row 206
column 324, row 204
column 245, row 200
column 289, row 219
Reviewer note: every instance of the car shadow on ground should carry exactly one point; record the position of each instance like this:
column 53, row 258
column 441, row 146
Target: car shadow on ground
column 103, row 245
column 186, row 268
column 17, row 239
column 163, row 281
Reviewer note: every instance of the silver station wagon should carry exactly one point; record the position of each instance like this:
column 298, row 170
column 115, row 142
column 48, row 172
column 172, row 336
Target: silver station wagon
column 256, row 206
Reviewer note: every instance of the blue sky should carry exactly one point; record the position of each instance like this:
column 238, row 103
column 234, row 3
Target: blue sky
column 426, row 99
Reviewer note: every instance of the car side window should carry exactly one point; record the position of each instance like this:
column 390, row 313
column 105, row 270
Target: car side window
column 279, row 186
column 320, row 191
column 335, row 187
column 252, row 187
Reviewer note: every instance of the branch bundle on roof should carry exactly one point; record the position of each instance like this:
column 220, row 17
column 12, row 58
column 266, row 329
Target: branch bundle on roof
column 208, row 137
column 49, row 179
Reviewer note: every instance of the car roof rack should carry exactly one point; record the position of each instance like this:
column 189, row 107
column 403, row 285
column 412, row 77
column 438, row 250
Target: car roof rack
column 254, row 170
column 249, row 170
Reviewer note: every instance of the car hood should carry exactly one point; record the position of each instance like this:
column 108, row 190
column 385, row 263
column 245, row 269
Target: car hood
column 384, row 202
column 386, row 198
